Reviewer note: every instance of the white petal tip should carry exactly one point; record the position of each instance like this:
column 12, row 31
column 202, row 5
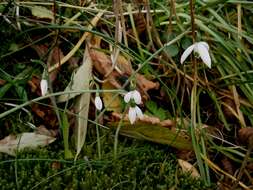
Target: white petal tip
column 186, row 53
column 137, row 97
column 43, row 87
column 98, row 103
column 132, row 115
column 128, row 96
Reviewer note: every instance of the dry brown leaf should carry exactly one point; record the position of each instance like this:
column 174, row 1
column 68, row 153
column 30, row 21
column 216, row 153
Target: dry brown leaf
column 187, row 167
column 34, row 83
column 111, row 104
column 150, row 128
column 54, row 57
column 245, row 134
column 12, row 143
column 42, row 130
column 168, row 123
column 144, row 84
column 145, row 118
column 103, row 65
column 47, row 115
column 227, row 165
column 2, row 82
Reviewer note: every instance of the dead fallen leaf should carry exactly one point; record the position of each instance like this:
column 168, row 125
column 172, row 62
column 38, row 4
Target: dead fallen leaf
column 34, row 83
column 151, row 129
column 47, row 115
column 56, row 165
column 245, row 134
column 2, row 82
column 227, row 165
column 54, row 57
column 111, row 105
column 42, row 130
column 187, row 167
column 103, row 65
column 11, row 144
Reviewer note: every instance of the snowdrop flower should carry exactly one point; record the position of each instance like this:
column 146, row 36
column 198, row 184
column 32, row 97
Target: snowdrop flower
column 135, row 95
column 133, row 113
column 43, row 87
column 98, row 103
column 202, row 49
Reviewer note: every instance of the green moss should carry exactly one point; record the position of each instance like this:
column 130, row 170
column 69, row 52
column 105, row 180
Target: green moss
column 139, row 166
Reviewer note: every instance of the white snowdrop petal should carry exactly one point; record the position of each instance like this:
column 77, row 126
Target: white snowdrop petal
column 128, row 96
column 132, row 115
column 98, row 103
column 43, row 87
column 138, row 112
column 204, row 44
column 186, row 53
column 137, row 97
column 204, row 54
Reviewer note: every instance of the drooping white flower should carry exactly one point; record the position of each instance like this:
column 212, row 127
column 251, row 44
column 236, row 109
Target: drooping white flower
column 98, row 103
column 43, row 87
column 202, row 49
column 135, row 95
column 133, row 113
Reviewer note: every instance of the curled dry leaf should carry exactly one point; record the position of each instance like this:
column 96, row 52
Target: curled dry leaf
column 229, row 109
column 47, row 115
column 246, row 135
column 54, row 57
column 227, row 165
column 34, row 84
column 2, row 82
column 11, row 144
column 103, row 65
column 42, row 130
column 187, row 167
column 168, row 123
column 110, row 102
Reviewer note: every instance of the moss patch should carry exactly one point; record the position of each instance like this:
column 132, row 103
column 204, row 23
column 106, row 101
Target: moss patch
column 139, row 165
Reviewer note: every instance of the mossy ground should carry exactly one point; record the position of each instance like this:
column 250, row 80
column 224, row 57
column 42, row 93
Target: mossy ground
column 140, row 165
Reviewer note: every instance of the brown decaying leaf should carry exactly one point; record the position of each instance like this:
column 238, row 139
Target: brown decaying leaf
column 12, row 143
column 54, row 57
column 34, row 83
column 168, row 123
column 245, row 134
column 110, row 102
column 56, row 165
column 146, row 119
column 2, row 82
column 185, row 154
column 46, row 114
column 141, row 25
column 227, row 165
column 103, row 65
column 48, row 132
column 152, row 129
